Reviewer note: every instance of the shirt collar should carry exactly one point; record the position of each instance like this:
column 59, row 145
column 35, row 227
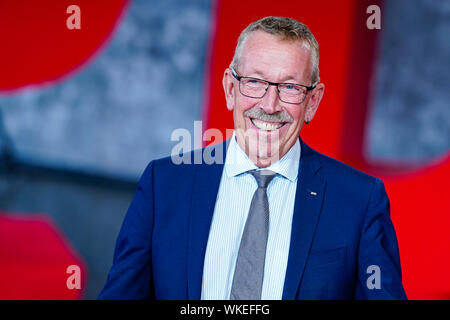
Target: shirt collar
column 237, row 161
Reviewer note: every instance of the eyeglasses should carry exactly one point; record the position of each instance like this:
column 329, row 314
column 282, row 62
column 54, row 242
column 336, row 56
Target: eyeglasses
column 287, row 92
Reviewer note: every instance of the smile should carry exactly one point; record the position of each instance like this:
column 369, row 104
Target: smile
column 266, row 126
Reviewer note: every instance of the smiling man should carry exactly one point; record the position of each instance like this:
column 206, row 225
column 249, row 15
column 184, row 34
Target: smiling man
column 277, row 220
column 279, row 91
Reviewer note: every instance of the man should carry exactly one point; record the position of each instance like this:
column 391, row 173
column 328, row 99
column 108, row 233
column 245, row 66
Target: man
column 278, row 220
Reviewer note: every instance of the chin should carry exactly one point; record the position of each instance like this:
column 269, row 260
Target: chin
column 265, row 151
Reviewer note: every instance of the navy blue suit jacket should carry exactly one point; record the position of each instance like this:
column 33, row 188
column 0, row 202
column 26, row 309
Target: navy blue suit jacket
column 341, row 226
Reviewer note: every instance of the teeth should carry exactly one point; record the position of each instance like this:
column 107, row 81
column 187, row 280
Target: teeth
column 265, row 125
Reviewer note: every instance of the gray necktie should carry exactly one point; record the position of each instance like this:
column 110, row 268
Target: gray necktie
column 249, row 272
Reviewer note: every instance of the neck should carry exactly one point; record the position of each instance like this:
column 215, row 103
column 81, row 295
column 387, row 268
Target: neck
column 260, row 160
column 263, row 162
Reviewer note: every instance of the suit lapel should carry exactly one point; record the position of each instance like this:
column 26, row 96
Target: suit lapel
column 205, row 189
column 308, row 204
column 306, row 214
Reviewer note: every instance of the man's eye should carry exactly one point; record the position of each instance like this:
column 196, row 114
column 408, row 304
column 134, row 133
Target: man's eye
column 289, row 87
column 255, row 83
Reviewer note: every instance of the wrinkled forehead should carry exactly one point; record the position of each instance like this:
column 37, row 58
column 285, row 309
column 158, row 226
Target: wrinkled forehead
column 271, row 56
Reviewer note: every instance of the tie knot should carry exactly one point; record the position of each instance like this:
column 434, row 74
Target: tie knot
column 262, row 177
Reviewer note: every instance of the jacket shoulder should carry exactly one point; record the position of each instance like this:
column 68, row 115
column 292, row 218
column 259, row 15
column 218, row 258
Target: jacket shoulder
column 184, row 164
column 340, row 173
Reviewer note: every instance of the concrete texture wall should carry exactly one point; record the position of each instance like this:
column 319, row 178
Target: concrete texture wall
column 118, row 113
column 411, row 108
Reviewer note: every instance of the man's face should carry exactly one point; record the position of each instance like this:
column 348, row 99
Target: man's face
column 266, row 128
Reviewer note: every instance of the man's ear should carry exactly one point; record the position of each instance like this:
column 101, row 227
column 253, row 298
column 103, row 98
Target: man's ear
column 314, row 101
column 228, row 87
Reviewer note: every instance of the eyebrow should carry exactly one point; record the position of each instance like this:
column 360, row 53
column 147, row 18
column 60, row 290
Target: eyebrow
column 263, row 77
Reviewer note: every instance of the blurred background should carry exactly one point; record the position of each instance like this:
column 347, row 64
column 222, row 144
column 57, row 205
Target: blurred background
column 83, row 111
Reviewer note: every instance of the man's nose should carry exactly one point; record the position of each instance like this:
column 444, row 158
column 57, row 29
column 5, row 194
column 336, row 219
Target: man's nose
column 271, row 103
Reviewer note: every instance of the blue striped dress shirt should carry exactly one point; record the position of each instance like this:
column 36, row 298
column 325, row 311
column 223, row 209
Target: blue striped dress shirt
column 236, row 190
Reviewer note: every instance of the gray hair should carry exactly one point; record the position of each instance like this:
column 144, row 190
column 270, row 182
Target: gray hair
column 286, row 29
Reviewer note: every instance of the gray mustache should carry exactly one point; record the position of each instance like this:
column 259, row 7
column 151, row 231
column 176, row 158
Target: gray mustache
column 260, row 114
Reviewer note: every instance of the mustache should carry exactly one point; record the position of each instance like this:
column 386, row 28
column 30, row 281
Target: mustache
column 260, row 114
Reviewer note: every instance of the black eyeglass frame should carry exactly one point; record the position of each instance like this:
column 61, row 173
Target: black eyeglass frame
column 238, row 78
